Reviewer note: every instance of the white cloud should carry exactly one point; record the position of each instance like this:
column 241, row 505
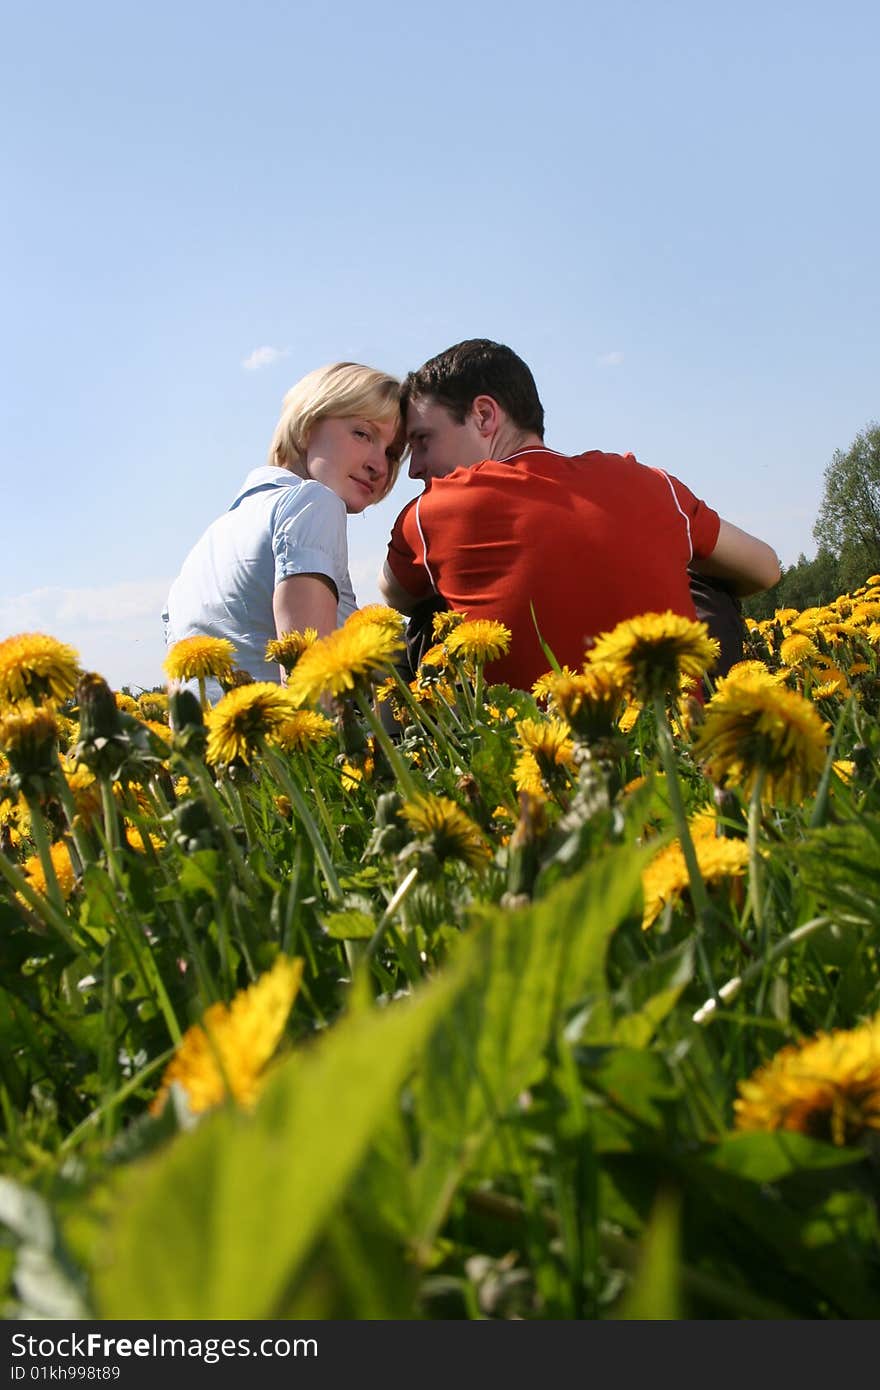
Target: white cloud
column 609, row 359
column 262, row 357
column 116, row 629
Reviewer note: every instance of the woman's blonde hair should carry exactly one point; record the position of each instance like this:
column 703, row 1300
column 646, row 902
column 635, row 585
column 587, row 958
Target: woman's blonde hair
column 342, row 390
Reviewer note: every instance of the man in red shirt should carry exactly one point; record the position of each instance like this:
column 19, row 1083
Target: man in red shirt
column 508, row 528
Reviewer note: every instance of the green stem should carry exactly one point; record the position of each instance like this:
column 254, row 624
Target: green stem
column 393, row 904
column 699, row 896
column 308, row 822
column 326, row 821
column 42, row 907
column 41, row 840
column 401, row 772
column 754, row 858
column 65, row 795
column 209, row 792
column 731, row 989
column 421, row 715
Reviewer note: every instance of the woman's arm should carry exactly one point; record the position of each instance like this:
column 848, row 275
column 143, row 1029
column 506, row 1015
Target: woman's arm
column 304, row 600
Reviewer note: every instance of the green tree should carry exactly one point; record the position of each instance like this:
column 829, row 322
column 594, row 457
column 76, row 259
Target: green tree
column 848, row 523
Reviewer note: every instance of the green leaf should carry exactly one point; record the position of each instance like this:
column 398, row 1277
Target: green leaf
column 655, row 1291
column 349, row 925
column 777, row 1154
column 531, row 968
column 219, row 1224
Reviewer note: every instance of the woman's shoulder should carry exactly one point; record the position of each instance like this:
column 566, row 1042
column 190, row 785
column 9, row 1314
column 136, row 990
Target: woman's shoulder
column 308, row 493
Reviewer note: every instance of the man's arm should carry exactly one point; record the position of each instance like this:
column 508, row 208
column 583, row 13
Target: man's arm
column 748, row 564
column 394, row 593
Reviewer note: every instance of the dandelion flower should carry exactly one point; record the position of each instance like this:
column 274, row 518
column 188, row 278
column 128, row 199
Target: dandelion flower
column 36, row 667
column 380, row 613
column 752, row 724
column 64, row 872
column 649, row 655
column 29, row 733
column 344, row 660
column 153, row 705
column 666, row 877
column 245, row 719
column 197, row 658
column 588, row 700
column 449, row 832
column 287, row 649
column 481, row 640
column 126, row 703
column 527, row 777
column 443, row 623
column 227, row 1053
column 302, row 728
column 797, row 648
column 548, row 740
column 827, row 1087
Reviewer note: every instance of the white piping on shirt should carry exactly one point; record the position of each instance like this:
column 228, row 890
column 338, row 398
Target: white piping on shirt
column 687, row 521
column 424, row 544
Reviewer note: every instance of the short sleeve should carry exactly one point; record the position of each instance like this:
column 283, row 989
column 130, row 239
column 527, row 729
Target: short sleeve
column 406, row 554
column 309, row 535
column 702, row 522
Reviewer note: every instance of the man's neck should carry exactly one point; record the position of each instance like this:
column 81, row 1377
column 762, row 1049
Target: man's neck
column 508, row 440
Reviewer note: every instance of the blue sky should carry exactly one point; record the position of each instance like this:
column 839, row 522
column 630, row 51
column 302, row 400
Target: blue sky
column 670, row 210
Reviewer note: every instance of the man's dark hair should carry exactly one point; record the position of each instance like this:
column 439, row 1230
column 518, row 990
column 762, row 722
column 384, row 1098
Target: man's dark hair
column 478, row 367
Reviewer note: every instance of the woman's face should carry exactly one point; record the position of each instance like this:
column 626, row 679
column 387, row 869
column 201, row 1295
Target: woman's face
column 352, row 457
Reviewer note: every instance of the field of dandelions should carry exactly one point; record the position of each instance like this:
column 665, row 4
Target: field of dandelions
column 359, row 998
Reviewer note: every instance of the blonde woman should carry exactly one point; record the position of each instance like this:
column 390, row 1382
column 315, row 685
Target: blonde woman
column 277, row 559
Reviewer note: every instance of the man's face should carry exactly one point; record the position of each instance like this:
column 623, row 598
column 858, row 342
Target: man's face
column 439, row 443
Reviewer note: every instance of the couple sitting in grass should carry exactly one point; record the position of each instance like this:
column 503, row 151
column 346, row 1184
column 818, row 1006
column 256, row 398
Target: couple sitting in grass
column 558, row 548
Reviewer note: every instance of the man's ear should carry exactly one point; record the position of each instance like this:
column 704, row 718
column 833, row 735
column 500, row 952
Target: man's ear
column 486, row 414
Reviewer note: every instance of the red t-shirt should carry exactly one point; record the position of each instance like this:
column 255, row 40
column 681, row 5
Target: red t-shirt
column 588, row 540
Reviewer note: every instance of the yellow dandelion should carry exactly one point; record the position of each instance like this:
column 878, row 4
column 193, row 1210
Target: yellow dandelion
column 589, row 700
column 443, row 623
column 25, row 729
column 226, row 1054
column 649, row 655
column 796, row 649
column 380, row 613
column 351, row 775
column 64, row 870
column 302, row 728
column 37, row 668
column 126, row 702
column 752, row 668
column 446, row 829
column 868, row 611
column 345, row 660
column 630, row 717
column 86, row 791
column 138, row 841
column 830, row 681
column 845, row 769
column 246, row 719
column 827, row 1087
column 153, row 705
column 287, row 649
column 548, row 740
column 198, row 658
column 527, row 777
column 753, row 723
column 783, row 616
column 481, row 640
column 666, row 878
column 436, row 658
